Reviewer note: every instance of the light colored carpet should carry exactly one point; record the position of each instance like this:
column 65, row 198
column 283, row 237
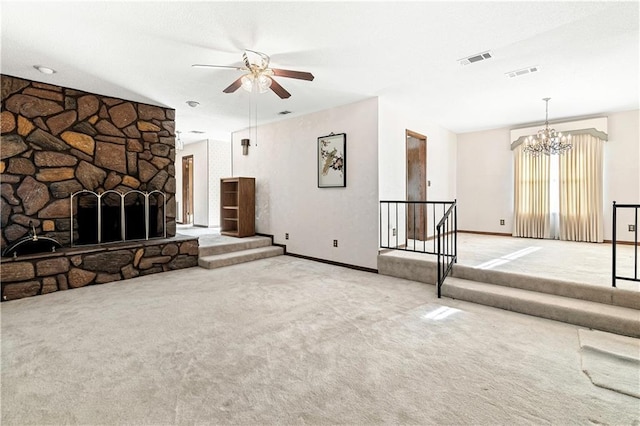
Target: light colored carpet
column 289, row 341
column 586, row 263
column 611, row 361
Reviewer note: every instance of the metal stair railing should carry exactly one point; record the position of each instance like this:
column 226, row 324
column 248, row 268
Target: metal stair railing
column 428, row 227
column 614, row 243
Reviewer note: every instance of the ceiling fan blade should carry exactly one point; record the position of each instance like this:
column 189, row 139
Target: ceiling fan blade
column 246, row 60
column 300, row 75
column 279, row 90
column 233, row 86
column 216, row 66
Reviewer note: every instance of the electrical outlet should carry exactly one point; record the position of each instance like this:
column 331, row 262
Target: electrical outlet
column 335, row 243
column 393, row 230
column 286, row 236
column 632, row 228
column 502, row 222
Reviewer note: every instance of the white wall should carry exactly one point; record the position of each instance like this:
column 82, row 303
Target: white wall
column 219, row 167
column 394, row 120
column 485, row 181
column 622, row 170
column 288, row 199
column 485, row 175
column 211, row 161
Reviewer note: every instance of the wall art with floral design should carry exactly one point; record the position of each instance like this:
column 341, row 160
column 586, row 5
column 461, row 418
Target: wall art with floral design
column 332, row 161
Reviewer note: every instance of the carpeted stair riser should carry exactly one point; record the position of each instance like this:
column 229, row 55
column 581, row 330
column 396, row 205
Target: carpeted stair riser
column 233, row 258
column 614, row 319
column 420, row 270
column 241, row 244
column 608, row 295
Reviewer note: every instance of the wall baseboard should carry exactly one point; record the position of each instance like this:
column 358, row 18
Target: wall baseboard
column 623, row 242
column 498, row 234
column 331, row 262
column 284, row 247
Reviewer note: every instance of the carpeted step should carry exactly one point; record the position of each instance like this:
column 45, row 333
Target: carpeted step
column 228, row 245
column 408, row 265
column 599, row 316
column 233, row 258
column 599, row 294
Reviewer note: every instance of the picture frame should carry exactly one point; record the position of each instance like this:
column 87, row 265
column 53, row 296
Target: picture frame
column 332, row 161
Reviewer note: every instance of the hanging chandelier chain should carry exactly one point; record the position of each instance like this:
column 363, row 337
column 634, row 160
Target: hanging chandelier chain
column 546, row 119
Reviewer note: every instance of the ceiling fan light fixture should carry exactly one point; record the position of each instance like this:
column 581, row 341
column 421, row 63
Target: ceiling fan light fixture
column 260, row 81
column 247, row 82
column 264, row 83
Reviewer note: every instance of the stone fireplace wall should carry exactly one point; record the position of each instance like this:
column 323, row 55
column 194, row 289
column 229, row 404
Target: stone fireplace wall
column 56, row 141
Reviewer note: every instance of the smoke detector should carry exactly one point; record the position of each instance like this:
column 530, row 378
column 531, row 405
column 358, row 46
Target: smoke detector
column 476, row 58
column 193, row 104
column 523, row 71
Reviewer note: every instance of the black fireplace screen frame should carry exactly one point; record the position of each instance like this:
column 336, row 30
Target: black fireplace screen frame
column 123, row 214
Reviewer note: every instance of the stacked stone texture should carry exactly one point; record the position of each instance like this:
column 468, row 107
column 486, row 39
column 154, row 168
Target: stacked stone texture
column 45, row 273
column 56, row 141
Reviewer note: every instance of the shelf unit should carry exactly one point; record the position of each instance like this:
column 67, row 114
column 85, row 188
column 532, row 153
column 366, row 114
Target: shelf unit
column 238, row 206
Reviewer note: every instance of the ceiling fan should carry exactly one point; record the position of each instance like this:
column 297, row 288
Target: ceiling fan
column 259, row 75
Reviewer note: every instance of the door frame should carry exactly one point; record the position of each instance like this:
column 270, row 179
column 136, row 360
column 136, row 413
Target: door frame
column 187, row 188
column 423, row 212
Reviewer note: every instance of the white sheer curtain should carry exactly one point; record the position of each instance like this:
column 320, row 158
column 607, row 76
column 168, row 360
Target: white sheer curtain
column 532, row 216
column 581, row 175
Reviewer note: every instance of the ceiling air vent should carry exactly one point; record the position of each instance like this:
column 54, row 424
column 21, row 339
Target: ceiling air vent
column 523, row 71
column 475, row 58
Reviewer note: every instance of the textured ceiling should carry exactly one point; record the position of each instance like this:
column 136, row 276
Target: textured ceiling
column 588, row 54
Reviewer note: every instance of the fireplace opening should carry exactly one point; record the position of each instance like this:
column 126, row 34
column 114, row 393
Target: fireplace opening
column 134, row 215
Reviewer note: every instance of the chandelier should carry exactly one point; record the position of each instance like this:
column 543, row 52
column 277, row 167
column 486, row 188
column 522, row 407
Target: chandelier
column 547, row 141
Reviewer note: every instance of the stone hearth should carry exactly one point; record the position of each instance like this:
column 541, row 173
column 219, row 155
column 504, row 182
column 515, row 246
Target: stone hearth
column 35, row 274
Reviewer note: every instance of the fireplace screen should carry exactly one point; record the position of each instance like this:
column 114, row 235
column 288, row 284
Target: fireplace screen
column 113, row 216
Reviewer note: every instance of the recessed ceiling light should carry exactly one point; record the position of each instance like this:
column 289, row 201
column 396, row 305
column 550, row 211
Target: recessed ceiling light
column 284, row 112
column 44, row 70
column 193, row 104
column 196, row 131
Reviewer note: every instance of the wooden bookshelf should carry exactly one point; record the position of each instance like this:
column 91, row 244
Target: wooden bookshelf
column 238, row 206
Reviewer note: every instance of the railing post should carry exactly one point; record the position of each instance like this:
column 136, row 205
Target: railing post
column 635, row 235
column 380, row 234
column 455, row 231
column 613, row 246
column 439, row 272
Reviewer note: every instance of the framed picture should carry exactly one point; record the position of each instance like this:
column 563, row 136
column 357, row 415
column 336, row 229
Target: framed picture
column 332, row 161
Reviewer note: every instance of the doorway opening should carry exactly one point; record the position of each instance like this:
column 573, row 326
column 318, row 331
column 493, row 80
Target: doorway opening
column 416, row 185
column 187, row 190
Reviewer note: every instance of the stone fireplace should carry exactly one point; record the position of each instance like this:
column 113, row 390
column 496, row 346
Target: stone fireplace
column 58, row 141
